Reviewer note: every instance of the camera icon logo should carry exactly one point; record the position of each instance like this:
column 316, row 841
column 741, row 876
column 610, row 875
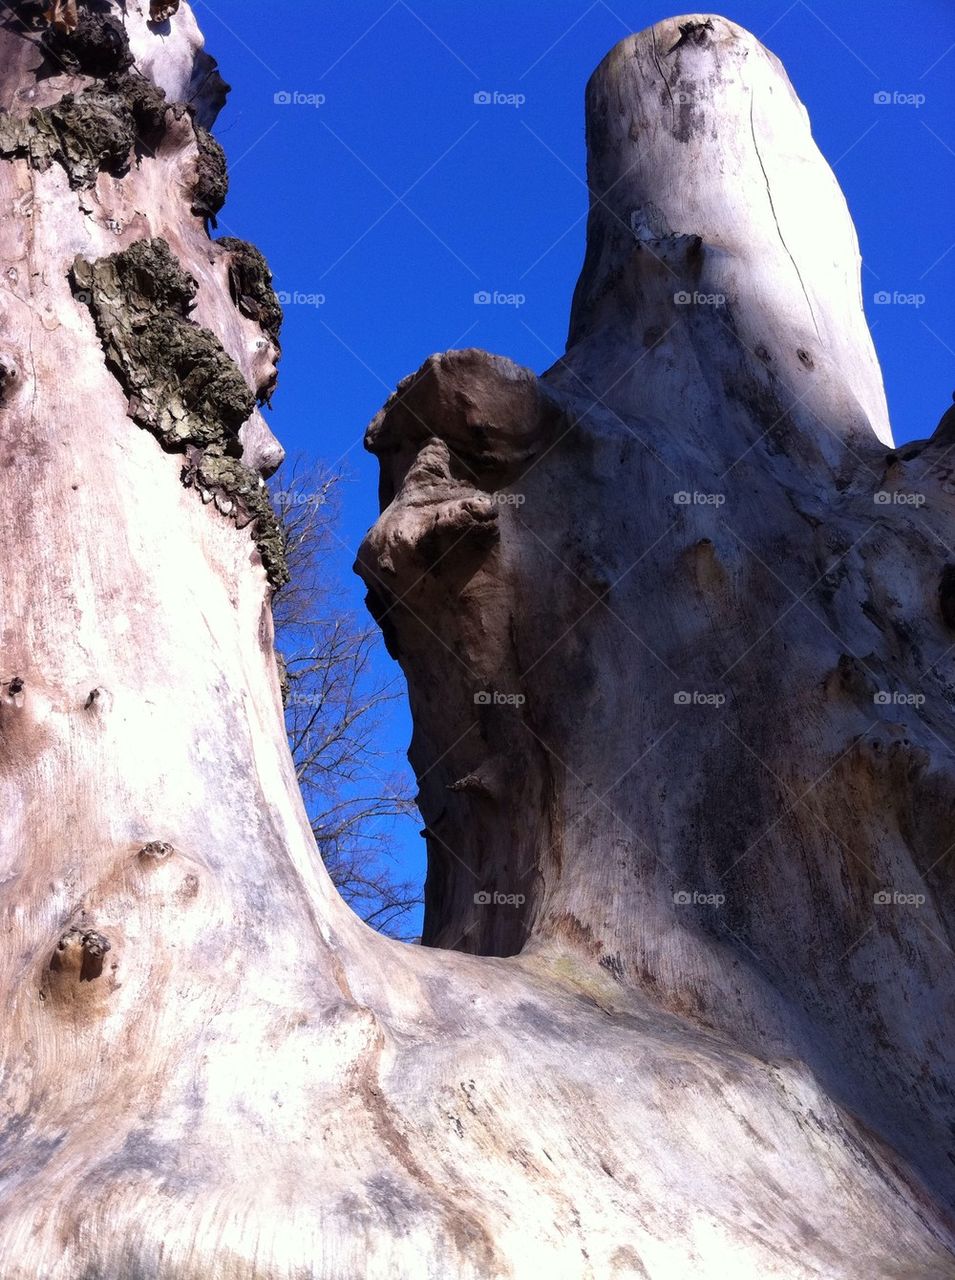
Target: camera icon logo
column 881, row 298
column 482, row 98
column 482, row 298
column 482, row 898
column 682, row 299
column 682, row 699
column 282, row 98
column 682, row 898
column 881, row 98
column 682, row 499
column 882, row 898
column 482, row 698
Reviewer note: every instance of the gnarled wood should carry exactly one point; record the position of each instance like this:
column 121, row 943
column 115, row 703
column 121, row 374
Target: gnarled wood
column 700, row 1044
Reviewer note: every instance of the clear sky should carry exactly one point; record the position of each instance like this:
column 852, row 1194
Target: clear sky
column 385, row 197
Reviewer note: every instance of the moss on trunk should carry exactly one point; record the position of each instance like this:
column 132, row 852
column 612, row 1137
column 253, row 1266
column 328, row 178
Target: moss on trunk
column 181, row 383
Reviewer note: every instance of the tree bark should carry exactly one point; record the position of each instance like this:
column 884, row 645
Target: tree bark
column 666, row 614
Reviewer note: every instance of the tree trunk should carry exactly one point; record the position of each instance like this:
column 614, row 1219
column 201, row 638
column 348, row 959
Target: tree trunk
column 678, row 637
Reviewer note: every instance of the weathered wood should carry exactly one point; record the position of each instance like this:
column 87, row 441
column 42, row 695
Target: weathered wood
column 701, row 1045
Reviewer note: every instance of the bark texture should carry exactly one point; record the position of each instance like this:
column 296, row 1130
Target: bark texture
column 210, row 1067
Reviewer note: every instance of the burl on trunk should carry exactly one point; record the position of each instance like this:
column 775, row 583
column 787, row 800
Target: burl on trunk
column 679, row 646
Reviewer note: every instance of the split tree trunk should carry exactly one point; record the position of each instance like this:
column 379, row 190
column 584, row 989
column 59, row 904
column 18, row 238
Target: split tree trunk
column 687, row 734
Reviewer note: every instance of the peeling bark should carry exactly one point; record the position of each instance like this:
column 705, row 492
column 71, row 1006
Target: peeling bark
column 210, row 1067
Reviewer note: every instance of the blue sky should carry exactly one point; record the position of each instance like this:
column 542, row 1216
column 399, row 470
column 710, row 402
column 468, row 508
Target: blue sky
column 385, row 197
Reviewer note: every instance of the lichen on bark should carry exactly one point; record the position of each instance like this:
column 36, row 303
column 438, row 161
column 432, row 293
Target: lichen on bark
column 100, row 128
column 238, row 491
column 94, row 130
column 84, row 132
column 181, row 383
column 96, row 46
column 212, row 176
column 250, row 282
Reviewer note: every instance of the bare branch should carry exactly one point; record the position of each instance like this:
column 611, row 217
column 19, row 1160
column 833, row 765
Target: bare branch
column 334, row 710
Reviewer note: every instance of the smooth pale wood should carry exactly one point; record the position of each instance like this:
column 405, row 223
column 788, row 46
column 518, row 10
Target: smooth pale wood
column 700, row 134
column 258, row 1086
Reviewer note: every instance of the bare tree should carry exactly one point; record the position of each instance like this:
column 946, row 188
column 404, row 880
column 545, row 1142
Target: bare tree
column 683, row 715
column 335, row 698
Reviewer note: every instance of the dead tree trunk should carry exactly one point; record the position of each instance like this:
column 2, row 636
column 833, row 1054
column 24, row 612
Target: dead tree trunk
column 678, row 637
